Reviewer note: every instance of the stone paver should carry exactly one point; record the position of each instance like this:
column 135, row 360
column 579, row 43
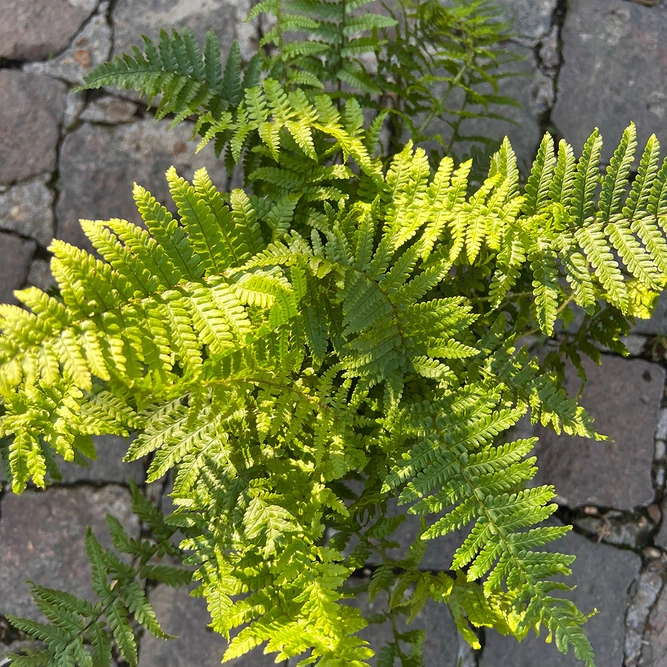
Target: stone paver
column 99, row 165
column 603, row 576
column 14, row 264
column 42, row 539
column 27, row 209
column 532, row 18
column 110, row 110
column 131, row 19
column 441, row 645
column 31, row 110
column 36, row 29
column 624, row 395
column 108, row 467
column 614, row 71
column 654, row 644
column 188, row 618
column 90, row 48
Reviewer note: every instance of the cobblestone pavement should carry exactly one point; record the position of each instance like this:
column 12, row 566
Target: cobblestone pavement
column 67, row 155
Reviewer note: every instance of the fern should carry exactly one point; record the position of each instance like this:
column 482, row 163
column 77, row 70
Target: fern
column 82, row 634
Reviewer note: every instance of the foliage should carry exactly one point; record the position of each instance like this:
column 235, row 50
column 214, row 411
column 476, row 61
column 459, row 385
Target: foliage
column 347, row 330
column 84, row 633
column 424, row 63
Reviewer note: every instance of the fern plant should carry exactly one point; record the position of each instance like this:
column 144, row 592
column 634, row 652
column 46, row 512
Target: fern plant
column 345, row 330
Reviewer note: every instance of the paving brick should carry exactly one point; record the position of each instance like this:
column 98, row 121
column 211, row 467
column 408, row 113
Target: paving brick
column 31, row 110
column 624, row 397
column 603, row 576
column 42, row 539
column 34, row 29
column 188, row 618
column 614, row 71
column 99, row 164
column 15, row 256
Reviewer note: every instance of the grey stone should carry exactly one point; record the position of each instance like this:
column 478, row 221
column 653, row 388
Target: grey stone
column 90, row 48
column 73, row 107
column 532, row 18
column 108, row 467
column 35, row 29
column 442, row 641
column 27, row 209
column 660, row 538
column 31, row 110
column 634, row 344
column 42, row 539
column 649, row 585
column 624, row 397
column 654, row 645
column 188, row 618
column 522, row 127
column 603, row 576
column 40, row 275
column 131, row 19
column 15, row 256
column 612, row 73
column 657, row 324
column 99, row 164
column 550, row 51
column 661, row 429
column 109, row 109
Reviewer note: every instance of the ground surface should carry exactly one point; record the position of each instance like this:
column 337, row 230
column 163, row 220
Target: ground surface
column 65, row 156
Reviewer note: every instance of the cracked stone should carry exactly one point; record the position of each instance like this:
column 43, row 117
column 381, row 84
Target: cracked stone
column 550, row 51
column 603, row 576
column 613, row 72
column 660, row 538
column 31, row 110
column 90, row 48
column 197, row 644
column 132, row 19
column 36, row 29
column 634, row 344
column 649, row 585
column 542, row 93
column 73, row 107
column 27, row 209
column 624, row 397
column 441, row 644
column 532, row 18
column 15, row 256
column 110, row 110
column 42, row 539
column 99, row 163
column 654, row 644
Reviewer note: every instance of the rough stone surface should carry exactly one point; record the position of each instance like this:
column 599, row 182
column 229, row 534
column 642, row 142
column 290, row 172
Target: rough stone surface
column 441, row 645
column 108, row 467
column 624, row 395
column 614, row 71
column 14, row 264
column 42, row 539
column 35, row 29
column 533, row 91
column 40, row 274
column 603, row 576
column 649, row 585
column 27, row 209
column 660, row 538
column 110, row 110
column 131, row 19
column 100, row 163
column 90, row 48
column 617, row 528
column 654, row 645
column 532, row 18
column 187, row 617
column 31, row 110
